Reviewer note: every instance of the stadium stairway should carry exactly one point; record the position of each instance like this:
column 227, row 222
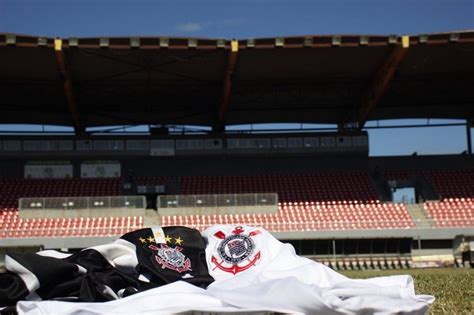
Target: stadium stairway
column 451, row 193
column 419, row 216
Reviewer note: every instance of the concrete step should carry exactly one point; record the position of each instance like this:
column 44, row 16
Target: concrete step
column 419, row 216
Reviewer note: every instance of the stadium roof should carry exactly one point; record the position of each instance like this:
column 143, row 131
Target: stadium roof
column 344, row 80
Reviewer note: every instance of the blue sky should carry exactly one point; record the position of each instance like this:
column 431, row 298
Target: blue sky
column 233, row 19
column 253, row 19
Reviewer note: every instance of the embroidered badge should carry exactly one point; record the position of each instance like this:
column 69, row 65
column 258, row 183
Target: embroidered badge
column 236, row 251
column 171, row 258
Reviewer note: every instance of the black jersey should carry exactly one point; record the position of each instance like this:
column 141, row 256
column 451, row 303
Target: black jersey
column 135, row 262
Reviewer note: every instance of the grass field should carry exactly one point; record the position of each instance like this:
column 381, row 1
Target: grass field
column 453, row 288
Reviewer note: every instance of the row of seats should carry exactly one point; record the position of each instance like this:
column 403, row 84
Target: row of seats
column 453, row 184
column 309, row 218
column 68, row 227
column 289, row 187
column 13, row 189
column 449, row 213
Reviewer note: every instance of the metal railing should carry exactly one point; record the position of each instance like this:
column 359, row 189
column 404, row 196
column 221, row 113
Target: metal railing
column 308, row 226
column 83, row 203
column 217, row 200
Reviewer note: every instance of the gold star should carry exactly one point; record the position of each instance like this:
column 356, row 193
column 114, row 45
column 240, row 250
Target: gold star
column 178, row 241
column 158, row 234
column 168, row 239
column 142, row 240
column 151, row 239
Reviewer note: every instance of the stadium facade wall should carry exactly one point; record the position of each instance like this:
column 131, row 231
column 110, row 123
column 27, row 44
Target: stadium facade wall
column 422, row 162
column 231, row 165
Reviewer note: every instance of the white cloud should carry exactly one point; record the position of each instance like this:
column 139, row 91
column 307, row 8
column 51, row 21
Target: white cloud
column 190, row 27
column 216, row 25
column 232, row 21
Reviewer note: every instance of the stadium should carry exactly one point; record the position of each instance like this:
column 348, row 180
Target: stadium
column 316, row 188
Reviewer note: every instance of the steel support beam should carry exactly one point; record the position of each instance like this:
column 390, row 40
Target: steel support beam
column 379, row 85
column 68, row 88
column 227, row 86
column 468, row 136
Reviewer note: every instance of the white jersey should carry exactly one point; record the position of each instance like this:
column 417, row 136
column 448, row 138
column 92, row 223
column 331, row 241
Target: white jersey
column 252, row 269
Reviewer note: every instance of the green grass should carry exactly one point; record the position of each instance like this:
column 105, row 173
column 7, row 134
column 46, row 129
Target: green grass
column 453, row 288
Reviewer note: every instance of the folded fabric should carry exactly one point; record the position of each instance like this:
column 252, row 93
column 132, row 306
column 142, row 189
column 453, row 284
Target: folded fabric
column 252, row 269
column 136, row 262
column 175, row 269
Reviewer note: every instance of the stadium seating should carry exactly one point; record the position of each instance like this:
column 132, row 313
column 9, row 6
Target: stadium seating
column 452, row 212
column 13, row 189
column 323, row 201
column 456, row 191
column 290, row 188
column 452, row 183
column 12, row 226
column 310, row 216
column 307, row 202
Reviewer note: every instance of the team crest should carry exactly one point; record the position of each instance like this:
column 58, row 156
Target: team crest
column 236, row 251
column 171, row 258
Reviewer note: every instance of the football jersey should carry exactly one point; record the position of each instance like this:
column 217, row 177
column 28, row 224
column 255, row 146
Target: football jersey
column 231, row 269
column 136, row 262
column 252, row 269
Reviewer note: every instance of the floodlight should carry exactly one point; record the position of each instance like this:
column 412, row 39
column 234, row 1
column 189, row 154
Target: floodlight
column 221, row 43
column 392, row 39
column 164, row 42
column 42, row 41
column 454, row 37
column 73, row 42
column 104, row 42
column 134, row 42
column 364, row 40
column 10, row 39
column 192, row 43
column 336, row 41
column 423, row 39
column 279, row 42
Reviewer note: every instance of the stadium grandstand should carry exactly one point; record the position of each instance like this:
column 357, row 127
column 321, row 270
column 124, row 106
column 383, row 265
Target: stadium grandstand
column 316, row 188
